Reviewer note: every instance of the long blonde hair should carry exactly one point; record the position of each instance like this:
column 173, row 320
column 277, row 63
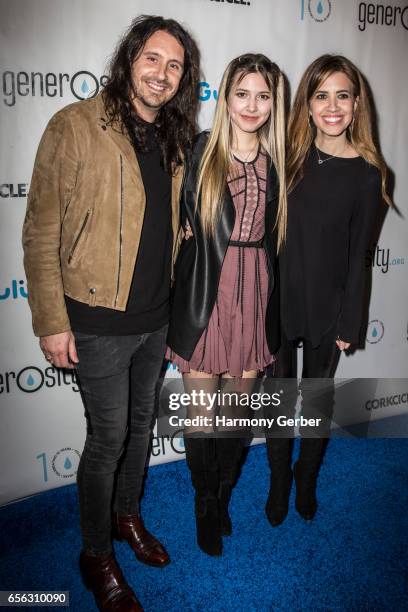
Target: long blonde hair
column 302, row 132
column 217, row 156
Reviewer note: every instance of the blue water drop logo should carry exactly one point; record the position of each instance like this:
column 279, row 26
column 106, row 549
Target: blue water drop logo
column 67, row 464
column 181, row 442
column 30, row 379
column 375, row 331
column 84, row 87
column 320, row 8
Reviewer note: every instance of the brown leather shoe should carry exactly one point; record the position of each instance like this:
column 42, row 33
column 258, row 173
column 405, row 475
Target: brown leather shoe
column 146, row 547
column 103, row 576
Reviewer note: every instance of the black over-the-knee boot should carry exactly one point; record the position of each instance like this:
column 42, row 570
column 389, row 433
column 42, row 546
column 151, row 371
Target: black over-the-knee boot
column 279, row 457
column 318, row 396
column 306, row 470
column 202, row 461
column 229, row 453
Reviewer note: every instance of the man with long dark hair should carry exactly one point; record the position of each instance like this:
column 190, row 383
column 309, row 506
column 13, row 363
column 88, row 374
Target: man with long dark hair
column 100, row 239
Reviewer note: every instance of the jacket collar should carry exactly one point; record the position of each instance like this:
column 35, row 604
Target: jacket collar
column 114, row 132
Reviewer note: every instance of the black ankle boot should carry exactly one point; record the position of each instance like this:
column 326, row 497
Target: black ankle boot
column 306, row 471
column 279, row 457
column 208, row 525
column 277, row 504
column 306, row 481
column 201, row 459
column 224, row 496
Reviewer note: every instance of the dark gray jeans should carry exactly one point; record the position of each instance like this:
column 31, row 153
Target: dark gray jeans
column 118, row 377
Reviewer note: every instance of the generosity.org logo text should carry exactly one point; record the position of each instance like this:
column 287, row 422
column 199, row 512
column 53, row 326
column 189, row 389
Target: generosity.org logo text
column 382, row 15
column 33, row 378
column 381, row 258
column 83, row 84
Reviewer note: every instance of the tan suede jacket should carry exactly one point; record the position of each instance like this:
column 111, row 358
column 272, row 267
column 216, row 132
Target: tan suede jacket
column 84, row 216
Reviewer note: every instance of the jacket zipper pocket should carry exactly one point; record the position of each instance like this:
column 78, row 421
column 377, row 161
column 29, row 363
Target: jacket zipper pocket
column 74, row 246
column 120, row 229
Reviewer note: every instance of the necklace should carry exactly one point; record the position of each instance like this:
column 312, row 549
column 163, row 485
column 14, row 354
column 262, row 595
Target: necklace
column 245, row 160
column 321, row 160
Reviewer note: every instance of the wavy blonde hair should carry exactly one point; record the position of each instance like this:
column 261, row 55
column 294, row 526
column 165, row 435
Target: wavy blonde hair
column 302, row 132
column 217, row 157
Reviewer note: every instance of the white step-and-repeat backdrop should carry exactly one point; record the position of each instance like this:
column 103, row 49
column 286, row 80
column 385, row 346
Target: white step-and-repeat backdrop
column 54, row 52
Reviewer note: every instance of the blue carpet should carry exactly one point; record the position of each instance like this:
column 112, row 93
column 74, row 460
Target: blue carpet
column 353, row 556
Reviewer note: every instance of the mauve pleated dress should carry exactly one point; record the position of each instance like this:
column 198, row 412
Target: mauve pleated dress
column 234, row 339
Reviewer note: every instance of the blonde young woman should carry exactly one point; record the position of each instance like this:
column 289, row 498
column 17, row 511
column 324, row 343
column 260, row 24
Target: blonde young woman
column 336, row 182
column 225, row 317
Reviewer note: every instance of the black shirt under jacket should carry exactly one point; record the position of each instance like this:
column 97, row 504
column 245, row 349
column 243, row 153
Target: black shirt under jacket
column 330, row 221
column 147, row 309
column 200, row 260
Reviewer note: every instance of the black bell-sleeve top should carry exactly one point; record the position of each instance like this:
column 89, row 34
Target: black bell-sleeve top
column 330, row 221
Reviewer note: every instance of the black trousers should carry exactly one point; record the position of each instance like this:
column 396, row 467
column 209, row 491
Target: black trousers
column 317, row 387
column 118, row 377
column 319, row 362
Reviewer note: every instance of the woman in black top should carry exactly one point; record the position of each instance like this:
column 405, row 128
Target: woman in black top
column 336, row 181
